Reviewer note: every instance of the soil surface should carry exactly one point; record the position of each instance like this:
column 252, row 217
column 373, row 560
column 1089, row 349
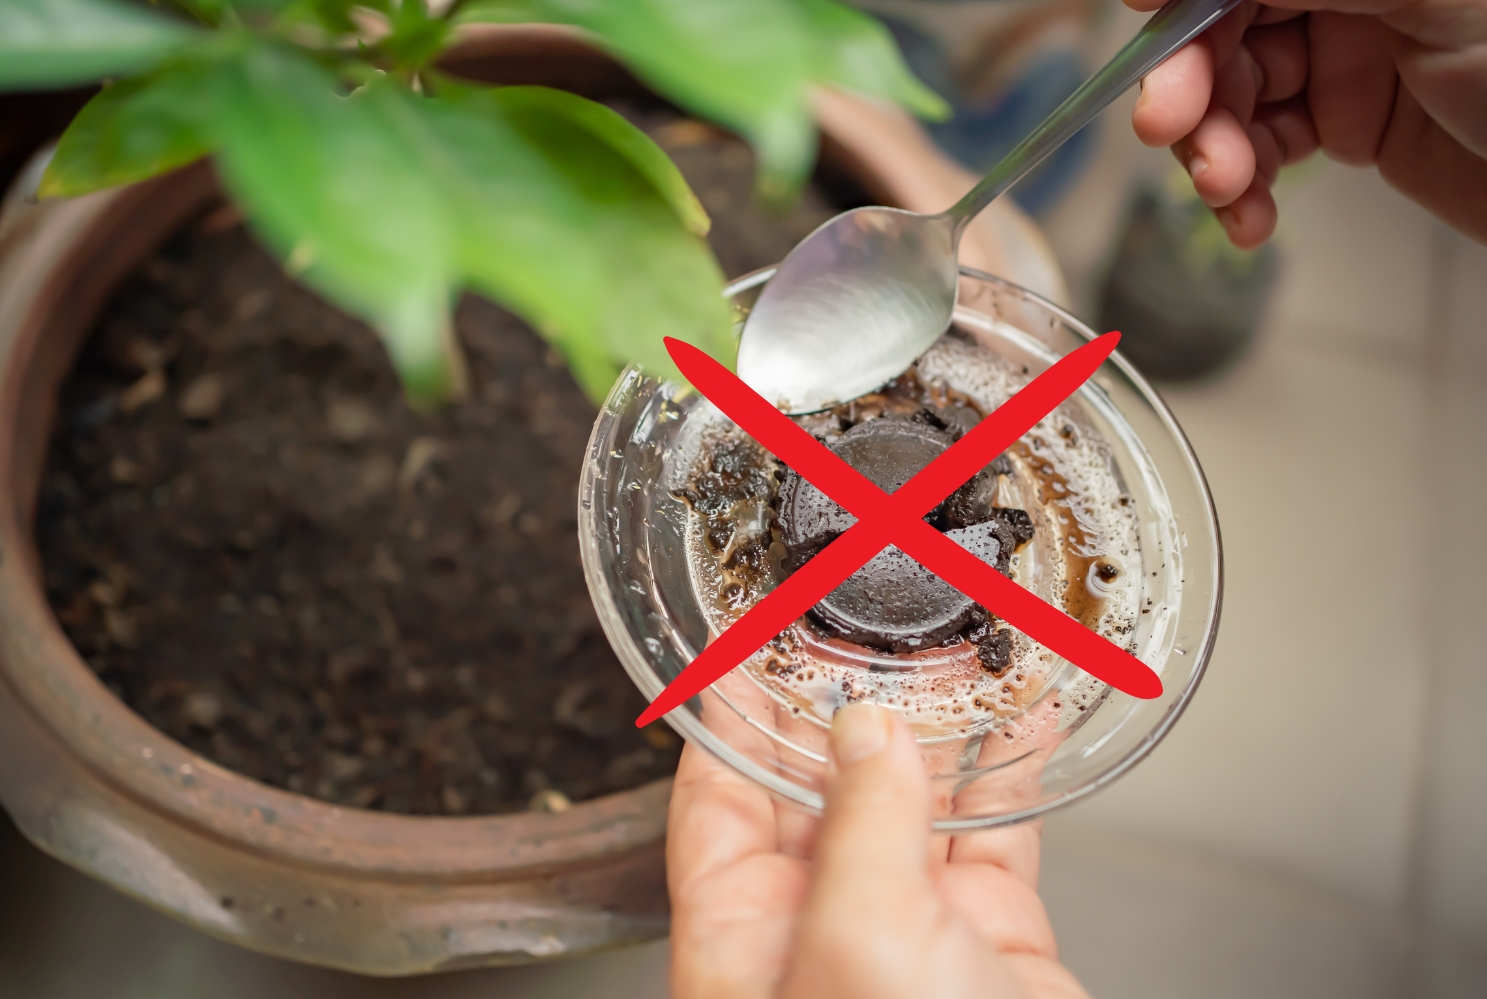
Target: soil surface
column 262, row 550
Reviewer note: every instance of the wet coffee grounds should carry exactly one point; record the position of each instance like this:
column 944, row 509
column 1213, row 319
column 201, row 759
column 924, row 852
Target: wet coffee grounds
column 264, row 551
column 762, row 531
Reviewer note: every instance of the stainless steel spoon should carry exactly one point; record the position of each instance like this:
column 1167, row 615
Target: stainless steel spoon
column 860, row 298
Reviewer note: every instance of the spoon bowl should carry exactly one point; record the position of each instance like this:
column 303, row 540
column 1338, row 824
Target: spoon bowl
column 897, row 270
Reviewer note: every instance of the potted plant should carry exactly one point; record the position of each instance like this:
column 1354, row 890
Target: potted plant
column 387, row 183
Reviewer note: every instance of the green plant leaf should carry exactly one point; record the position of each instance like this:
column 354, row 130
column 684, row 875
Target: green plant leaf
column 56, row 43
column 609, row 127
column 743, row 63
column 390, row 203
column 333, row 191
column 207, row 11
column 416, row 37
column 616, row 272
column 134, row 129
column 748, row 64
column 213, row 11
column 857, row 52
column 311, row 23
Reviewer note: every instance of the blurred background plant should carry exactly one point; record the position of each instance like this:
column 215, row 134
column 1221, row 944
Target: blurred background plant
column 1002, row 66
column 390, row 187
column 1191, row 300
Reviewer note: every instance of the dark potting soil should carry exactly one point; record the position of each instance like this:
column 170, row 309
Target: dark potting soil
column 262, row 550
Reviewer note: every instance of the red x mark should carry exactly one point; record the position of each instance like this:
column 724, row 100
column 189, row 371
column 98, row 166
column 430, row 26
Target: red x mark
column 884, row 519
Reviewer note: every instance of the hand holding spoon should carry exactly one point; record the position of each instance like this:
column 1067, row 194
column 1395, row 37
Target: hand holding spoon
column 860, row 298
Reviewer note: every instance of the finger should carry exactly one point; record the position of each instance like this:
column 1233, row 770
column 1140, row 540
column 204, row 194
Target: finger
column 1352, row 83
column 1450, row 85
column 1249, row 219
column 1175, row 95
column 877, row 817
column 796, row 831
column 1427, row 163
column 1290, row 129
column 1268, row 158
column 941, row 758
column 1010, row 759
column 1280, row 53
column 1236, row 83
column 873, row 921
column 732, row 934
column 795, row 828
column 1015, row 849
column 1228, row 34
column 717, row 818
column 1144, row 5
column 1275, row 15
column 707, row 793
column 1044, row 978
column 1219, row 157
column 1000, row 908
column 734, row 900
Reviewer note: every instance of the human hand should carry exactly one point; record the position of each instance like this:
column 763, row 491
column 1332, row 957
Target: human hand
column 865, row 903
column 1400, row 84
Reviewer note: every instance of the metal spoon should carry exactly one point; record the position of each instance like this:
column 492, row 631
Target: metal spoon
column 860, row 298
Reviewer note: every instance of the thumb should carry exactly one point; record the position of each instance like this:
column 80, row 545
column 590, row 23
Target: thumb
column 870, row 916
column 874, row 837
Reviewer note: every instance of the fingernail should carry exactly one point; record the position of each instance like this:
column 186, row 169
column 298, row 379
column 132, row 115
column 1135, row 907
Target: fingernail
column 1197, row 163
column 859, row 732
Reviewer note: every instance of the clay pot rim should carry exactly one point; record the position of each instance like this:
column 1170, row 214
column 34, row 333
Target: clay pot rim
column 61, row 245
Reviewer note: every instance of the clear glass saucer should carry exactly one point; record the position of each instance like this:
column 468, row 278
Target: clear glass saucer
column 1069, row 736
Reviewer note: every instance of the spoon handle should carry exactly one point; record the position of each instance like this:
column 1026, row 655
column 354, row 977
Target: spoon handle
column 1169, row 29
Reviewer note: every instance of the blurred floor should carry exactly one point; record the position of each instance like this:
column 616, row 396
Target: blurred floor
column 1317, row 824
column 63, row 936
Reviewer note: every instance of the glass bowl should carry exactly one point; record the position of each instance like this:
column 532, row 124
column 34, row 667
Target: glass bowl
column 1063, row 739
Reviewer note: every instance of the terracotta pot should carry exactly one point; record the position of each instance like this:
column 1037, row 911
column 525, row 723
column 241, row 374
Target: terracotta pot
column 90, row 782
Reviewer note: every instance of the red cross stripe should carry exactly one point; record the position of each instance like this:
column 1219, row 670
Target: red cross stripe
column 884, row 519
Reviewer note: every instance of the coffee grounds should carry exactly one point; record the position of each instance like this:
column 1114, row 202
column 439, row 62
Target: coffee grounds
column 892, row 603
